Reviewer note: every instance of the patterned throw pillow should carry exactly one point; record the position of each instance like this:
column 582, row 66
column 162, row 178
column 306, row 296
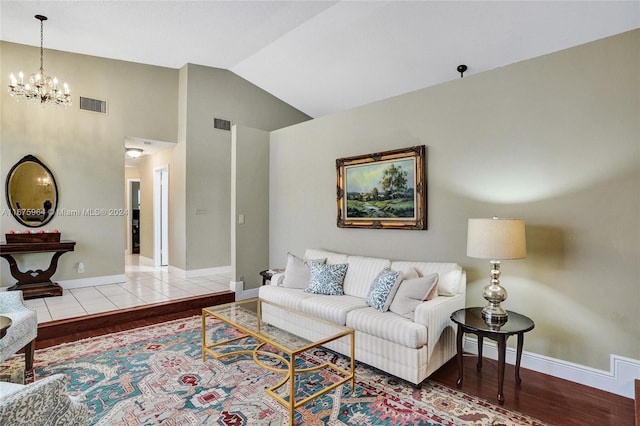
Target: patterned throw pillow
column 383, row 289
column 326, row 279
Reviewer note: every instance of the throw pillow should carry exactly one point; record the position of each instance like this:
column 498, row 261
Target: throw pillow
column 326, row 279
column 383, row 289
column 296, row 273
column 408, row 273
column 411, row 293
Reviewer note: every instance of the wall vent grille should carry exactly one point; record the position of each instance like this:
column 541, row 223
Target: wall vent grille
column 222, row 124
column 95, row 105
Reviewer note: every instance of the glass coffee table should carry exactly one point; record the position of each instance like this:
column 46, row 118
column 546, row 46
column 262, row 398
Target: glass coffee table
column 276, row 349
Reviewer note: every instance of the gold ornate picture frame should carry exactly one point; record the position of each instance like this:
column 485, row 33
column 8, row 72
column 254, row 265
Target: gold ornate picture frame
column 383, row 190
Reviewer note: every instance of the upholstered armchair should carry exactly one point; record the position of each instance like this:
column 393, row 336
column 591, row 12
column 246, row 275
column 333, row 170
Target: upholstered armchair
column 23, row 330
column 44, row 402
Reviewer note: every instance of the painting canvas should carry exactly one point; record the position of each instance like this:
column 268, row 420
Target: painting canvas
column 382, row 190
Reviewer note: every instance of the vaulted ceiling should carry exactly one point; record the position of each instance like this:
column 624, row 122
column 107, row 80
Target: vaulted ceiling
column 322, row 57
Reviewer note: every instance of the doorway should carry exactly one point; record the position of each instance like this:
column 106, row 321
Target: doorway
column 134, row 208
column 161, row 216
column 132, row 224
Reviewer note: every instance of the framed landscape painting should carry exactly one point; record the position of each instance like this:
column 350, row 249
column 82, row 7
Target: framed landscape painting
column 383, row 190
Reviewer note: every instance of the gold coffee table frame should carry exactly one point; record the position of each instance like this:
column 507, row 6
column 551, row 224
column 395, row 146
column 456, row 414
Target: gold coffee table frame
column 246, row 316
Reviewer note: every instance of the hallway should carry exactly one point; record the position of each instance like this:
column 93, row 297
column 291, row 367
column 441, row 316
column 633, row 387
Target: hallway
column 145, row 285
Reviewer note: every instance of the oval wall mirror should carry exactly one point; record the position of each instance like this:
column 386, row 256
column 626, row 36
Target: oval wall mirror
column 32, row 193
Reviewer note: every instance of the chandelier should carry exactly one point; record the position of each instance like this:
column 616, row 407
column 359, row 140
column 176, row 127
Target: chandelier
column 40, row 87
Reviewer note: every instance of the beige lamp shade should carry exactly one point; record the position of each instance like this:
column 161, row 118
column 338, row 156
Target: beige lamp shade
column 496, row 239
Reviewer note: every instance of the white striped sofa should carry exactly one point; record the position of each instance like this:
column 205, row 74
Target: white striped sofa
column 407, row 349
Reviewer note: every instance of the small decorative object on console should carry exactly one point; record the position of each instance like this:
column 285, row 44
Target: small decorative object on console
column 30, row 237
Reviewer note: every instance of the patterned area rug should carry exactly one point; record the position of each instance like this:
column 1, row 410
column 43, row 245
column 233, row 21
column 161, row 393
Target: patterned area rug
column 155, row 375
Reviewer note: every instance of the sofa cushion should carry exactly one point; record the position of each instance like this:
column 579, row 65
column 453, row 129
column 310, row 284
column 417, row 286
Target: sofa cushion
column 331, row 308
column 326, row 279
column 362, row 271
column 332, row 258
column 450, row 274
column 289, row 297
column 411, row 293
column 383, row 289
column 388, row 326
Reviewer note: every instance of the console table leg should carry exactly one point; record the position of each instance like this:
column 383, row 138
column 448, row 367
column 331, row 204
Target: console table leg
column 35, row 283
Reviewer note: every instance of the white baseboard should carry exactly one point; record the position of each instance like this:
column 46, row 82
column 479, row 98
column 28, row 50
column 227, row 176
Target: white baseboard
column 241, row 293
column 93, row 281
column 182, row 273
column 619, row 379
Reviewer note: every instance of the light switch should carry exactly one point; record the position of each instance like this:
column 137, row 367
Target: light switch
column 241, row 219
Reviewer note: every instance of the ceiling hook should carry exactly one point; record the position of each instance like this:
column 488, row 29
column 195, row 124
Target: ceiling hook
column 461, row 69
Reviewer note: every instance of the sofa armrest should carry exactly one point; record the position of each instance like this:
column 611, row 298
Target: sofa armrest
column 435, row 314
column 277, row 279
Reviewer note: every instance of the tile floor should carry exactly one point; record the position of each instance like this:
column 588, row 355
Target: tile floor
column 145, row 285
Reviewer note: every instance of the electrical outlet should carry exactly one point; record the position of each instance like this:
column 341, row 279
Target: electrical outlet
column 80, row 267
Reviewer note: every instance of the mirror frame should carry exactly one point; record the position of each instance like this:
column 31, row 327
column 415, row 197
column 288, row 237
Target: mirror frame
column 13, row 209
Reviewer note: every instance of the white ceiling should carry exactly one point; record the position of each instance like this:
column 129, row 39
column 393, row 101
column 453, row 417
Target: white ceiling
column 322, row 57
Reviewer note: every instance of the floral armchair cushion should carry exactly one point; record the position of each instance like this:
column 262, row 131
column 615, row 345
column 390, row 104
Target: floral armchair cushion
column 43, row 402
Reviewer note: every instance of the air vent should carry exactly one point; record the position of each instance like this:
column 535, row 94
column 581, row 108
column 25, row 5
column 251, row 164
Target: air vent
column 222, row 124
column 95, row 105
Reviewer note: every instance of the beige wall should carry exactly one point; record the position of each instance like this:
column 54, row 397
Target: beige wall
column 213, row 92
column 84, row 150
column 249, row 198
column 554, row 140
column 200, row 164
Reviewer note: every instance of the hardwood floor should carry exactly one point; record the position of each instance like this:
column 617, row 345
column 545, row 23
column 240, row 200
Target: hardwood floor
column 549, row 399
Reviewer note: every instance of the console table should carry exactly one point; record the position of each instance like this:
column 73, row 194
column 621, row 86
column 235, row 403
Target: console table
column 36, row 283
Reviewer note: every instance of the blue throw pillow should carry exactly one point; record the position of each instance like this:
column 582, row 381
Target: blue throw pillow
column 326, row 279
column 383, row 289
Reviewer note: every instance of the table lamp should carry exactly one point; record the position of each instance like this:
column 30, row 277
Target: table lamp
column 496, row 239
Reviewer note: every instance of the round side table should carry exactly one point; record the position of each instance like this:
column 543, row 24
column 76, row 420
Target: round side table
column 268, row 273
column 470, row 320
